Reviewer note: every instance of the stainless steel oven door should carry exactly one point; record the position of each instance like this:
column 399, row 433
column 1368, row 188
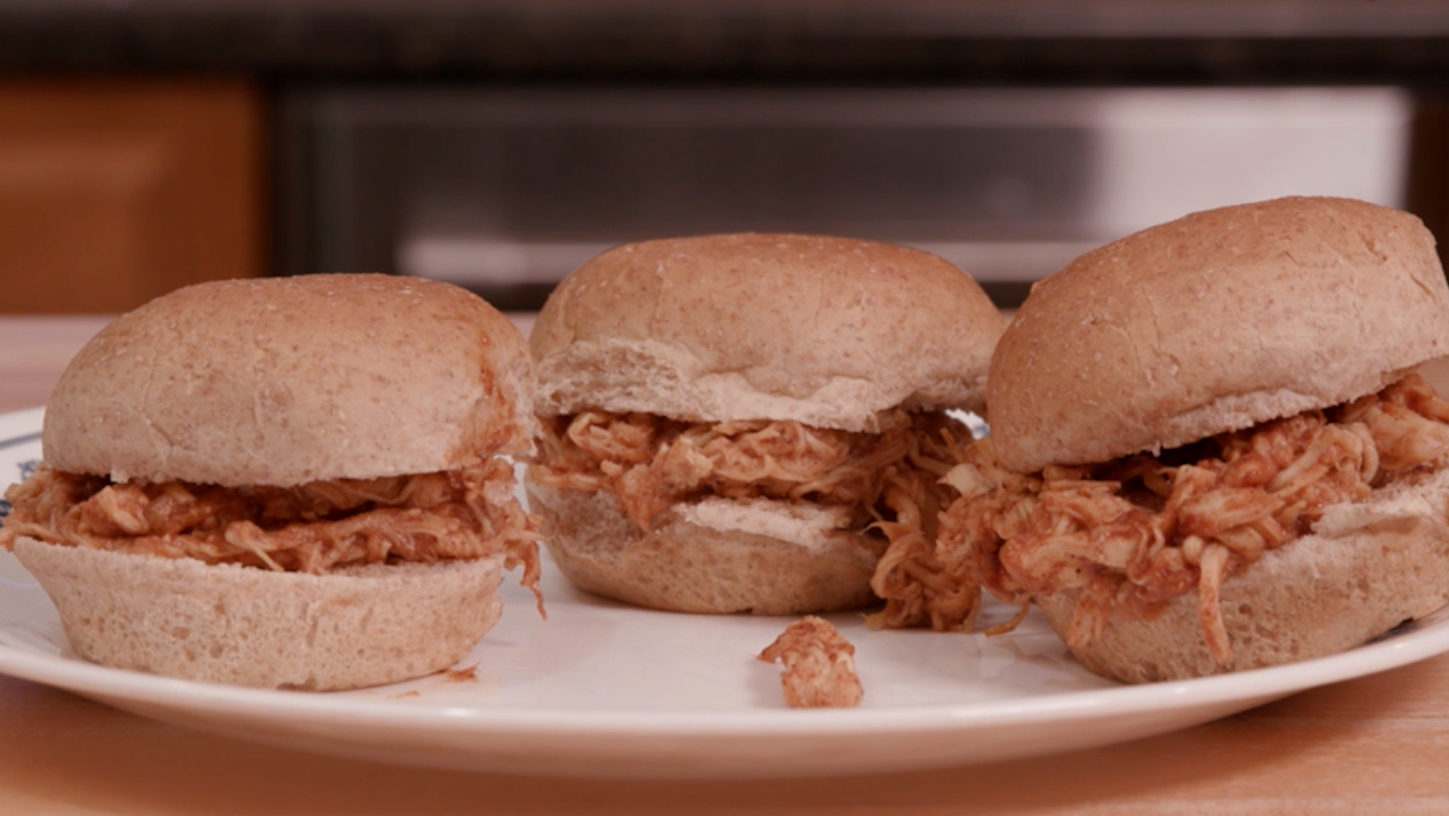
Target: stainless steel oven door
column 506, row 191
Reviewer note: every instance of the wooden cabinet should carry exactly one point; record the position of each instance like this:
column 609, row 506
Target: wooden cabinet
column 115, row 191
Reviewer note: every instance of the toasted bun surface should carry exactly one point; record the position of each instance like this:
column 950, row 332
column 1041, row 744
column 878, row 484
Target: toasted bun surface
column 717, row 556
column 351, row 628
column 825, row 331
column 281, row 381
column 1215, row 322
column 1367, row 567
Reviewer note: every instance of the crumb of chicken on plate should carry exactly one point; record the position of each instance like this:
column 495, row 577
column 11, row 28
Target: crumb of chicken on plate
column 819, row 665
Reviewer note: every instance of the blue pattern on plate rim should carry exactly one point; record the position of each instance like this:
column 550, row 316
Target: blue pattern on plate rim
column 26, row 466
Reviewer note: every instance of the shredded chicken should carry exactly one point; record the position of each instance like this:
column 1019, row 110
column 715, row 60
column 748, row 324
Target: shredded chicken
column 310, row 528
column 908, row 576
column 652, row 463
column 819, row 665
column 1137, row 532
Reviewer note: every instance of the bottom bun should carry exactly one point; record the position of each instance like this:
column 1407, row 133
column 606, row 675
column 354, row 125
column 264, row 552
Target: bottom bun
column 715, row 556
column 353, row 627
column 1367, row 567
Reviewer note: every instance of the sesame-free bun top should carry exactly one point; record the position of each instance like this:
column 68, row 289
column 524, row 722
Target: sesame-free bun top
column 1215, row 322
column 821, row 330
column 281, row 381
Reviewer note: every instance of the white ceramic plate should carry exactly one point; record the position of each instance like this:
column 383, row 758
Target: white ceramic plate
column 600, row 689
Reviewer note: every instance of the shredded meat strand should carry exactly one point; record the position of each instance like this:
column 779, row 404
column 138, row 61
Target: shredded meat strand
column 652, row 463
column 914, row 583
column 1134, row 533
column 819, row 665
column 312, row 528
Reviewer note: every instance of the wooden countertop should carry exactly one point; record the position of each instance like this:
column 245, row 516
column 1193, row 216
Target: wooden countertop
column 1379, row 744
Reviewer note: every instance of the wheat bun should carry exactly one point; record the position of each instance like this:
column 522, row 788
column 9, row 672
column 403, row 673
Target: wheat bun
column 282, row 381
column 1215, row 322
column 822, row 330
column 353, row 627
column 1365, row 568
column 825, row 331
column 714, row 556
column 279, row 382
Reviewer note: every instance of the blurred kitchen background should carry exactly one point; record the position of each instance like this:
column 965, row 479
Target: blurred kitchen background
column 145, row 144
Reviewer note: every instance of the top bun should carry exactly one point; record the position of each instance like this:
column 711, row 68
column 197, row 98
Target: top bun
column 825, row 331
column 1215, row 322
column 281, row 381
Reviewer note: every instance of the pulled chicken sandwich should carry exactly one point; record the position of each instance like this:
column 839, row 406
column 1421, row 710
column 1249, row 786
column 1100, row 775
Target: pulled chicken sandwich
column 286, row 482
column 742, row 422
column 1209, row 447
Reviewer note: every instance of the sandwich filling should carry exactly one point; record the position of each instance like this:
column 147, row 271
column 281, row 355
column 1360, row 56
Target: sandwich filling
column 819, row 665
column 889, row 481
column 312, row 528
column 1134, row 533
